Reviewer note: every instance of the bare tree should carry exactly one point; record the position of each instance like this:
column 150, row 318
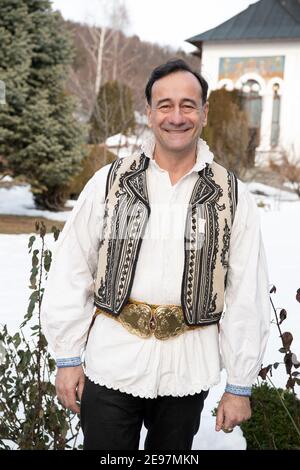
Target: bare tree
column 99, row 60
column 104, row 50
column 119, row 21
column 287, row 166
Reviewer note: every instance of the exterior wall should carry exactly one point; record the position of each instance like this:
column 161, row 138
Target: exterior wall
column 289, row 137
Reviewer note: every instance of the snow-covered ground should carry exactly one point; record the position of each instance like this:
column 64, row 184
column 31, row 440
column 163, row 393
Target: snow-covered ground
column 280, row 219
column 18, row 200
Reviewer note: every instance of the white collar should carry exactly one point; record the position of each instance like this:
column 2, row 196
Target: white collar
column 204, row 155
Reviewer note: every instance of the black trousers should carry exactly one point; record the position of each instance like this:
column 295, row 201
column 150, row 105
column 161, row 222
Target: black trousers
column 112, row 420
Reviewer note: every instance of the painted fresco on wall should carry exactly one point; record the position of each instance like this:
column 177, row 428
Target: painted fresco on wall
column 267, row 67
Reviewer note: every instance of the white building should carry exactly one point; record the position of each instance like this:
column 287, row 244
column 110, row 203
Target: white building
column 258, row 51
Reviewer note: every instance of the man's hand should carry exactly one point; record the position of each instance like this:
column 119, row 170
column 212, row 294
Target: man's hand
column 232, row 410
column 69, row 380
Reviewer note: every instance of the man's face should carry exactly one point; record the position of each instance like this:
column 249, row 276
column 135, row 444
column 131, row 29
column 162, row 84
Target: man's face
column 177, row 115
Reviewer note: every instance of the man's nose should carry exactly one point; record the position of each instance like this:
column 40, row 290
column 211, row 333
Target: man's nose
column 176, row 116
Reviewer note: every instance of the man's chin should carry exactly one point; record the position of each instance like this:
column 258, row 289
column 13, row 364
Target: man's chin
column 179, row 146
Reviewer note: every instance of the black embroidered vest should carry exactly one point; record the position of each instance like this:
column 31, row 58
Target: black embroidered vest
column 206, row 245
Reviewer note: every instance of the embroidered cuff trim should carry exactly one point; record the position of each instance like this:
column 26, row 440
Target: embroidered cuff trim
column 238, row 390
column 68, row 362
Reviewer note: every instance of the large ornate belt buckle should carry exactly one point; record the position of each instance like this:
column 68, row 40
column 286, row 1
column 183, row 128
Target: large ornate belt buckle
column 142, row 319
column 169, row 322
column 137, row 318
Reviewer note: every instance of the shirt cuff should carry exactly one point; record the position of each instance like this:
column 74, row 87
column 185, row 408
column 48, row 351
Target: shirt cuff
column 238, row 390
column 68, row 362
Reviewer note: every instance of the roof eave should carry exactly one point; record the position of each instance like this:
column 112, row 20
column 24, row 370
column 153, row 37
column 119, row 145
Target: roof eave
column 226, row 40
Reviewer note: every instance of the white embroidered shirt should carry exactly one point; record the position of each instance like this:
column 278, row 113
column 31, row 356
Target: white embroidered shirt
column 149, row 367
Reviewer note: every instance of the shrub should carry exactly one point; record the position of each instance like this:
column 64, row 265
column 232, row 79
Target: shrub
column 113, row 112
column 275, row 422
column 270, row 426
column 30, row 415
column 227, row 131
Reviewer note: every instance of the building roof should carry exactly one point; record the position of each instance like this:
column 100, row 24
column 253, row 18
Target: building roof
column 265, row 19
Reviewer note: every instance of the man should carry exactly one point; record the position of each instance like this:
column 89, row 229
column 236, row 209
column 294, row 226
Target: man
column 157, row 242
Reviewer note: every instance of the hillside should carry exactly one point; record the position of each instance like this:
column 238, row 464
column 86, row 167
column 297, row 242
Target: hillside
column 127, row 59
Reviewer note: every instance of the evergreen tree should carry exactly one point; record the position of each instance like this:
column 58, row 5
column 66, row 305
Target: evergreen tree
column 15, row 61
column 227, row 130
column 45, row 143
column 113, row 112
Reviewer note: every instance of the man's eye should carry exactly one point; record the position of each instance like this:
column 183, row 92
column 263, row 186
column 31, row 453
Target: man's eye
column 165, row 106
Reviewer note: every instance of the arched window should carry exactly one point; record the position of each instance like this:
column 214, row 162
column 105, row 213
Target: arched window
column 275, row 116
column 252, row 104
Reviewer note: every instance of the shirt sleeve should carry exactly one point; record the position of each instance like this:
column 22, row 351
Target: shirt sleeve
column 68, row 301
column 245, row 326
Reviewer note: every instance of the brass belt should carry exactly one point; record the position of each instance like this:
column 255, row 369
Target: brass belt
column 144, row 320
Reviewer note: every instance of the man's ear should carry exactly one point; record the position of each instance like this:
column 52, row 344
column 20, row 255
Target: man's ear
column 205, row 113
column 148, row 111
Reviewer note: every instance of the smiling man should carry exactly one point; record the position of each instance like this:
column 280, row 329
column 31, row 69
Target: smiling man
column 149, row 311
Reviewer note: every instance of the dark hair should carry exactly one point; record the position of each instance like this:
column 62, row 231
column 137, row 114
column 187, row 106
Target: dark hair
column 173, row 66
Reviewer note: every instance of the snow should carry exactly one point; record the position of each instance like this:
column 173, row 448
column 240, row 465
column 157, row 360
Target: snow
column 278, row 194
column 280, row 220
column 18, row 200
column 7, row 179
